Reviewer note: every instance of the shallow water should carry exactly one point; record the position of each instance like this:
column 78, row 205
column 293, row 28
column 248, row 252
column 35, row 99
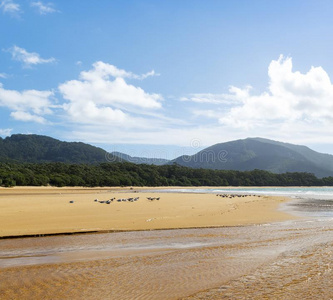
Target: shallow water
column 168, row 264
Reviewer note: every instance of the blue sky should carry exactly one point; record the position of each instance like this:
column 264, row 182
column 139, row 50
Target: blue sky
column 164, row 78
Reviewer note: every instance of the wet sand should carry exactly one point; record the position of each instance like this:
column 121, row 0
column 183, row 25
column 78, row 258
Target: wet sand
column 47, row 210
column 289, row 260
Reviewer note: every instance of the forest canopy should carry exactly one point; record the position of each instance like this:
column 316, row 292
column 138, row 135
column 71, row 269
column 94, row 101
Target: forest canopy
column 129, row 174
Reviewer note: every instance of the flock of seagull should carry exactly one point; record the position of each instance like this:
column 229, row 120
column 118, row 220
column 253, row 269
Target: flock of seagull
column 125, row 200
column 234, row 196
column 118, row 200
column 122, row 200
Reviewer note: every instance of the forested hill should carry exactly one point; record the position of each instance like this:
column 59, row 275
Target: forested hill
column 37, row 148
column 257, row 153
column 241, row 155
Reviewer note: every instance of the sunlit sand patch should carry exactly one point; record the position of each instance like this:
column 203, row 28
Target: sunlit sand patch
column 46, row 210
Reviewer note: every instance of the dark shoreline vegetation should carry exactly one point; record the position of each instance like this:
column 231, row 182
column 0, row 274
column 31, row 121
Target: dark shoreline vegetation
column 130, row 174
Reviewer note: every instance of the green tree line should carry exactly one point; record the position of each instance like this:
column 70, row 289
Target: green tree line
column 129, row 174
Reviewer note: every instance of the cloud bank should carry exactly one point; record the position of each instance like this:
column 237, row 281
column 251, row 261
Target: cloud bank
column 106, row 104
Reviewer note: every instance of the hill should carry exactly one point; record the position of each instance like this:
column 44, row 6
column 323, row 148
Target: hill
column 34, row 148
column 37, row 148
column 264, row 154
column 241, row 155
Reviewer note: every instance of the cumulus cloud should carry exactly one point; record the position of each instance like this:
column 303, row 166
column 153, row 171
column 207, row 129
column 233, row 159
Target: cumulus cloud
column 28, row 105
column 44, row 9
column 291, row 97
column 28, row 58
column 101, row 95
column 89, row 112
column 9, row 6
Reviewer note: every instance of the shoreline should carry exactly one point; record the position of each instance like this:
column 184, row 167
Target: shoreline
column 46, row 211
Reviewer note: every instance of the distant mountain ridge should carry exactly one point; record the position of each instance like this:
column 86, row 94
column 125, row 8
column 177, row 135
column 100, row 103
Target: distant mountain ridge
column 258, row 153
column 141, row 160
column 240, row 155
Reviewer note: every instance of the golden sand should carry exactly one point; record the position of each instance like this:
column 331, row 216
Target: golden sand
column 47, row 210
column 287, row 260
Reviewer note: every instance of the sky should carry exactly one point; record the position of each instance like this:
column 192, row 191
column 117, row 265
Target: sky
column 166, row 78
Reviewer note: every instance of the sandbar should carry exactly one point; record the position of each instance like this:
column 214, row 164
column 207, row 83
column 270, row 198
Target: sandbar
column 26, row 211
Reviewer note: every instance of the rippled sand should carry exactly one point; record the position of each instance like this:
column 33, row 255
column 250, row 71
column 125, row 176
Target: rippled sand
column 290, row 260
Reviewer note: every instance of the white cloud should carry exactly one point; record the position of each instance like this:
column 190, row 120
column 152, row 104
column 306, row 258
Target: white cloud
column 27, row 117
column 103, row 96
column 295, row 108
column 148, row 74
column 28, row 58
column 89, row 112
column 28, row 105
column 104, row 70
column 9, row 6
column 291, row 97
column 44, row 9
column 3, row 75
column 6, row 132
column 207, row 113
column 235, row 94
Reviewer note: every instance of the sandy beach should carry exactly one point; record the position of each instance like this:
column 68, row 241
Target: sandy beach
column 47, row 210
column 210, row 247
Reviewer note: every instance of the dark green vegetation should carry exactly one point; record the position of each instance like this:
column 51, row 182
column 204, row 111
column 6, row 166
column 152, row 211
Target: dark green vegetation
column 263, row 154
column 129, row 174
column 38, row 148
